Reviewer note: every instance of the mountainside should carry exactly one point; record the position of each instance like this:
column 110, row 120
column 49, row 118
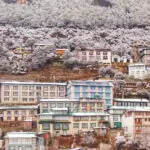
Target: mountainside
column 72, row 24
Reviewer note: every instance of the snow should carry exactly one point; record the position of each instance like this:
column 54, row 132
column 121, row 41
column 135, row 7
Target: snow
column 131, row 100
column 20, row 135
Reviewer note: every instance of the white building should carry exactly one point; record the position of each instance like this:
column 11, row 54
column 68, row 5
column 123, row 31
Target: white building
column 136, row 124
column 93, row 55
column 120, row 106
column 138, row 70
column 20, row 141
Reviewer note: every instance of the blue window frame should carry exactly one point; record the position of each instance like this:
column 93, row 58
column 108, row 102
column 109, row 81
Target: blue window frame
column 108, row 96
column 85, row 88
column 92, row 87
column 108, row 101
column 100, row 89
column 107, row 90
column 93, row 95
column 77, row 88
column 84, row 95
column 77, row 95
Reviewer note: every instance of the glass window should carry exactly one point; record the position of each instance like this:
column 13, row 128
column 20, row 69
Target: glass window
column 76, row 105
column 68, row 104
column 105, row 57
column 61, row 94
column 115, row 118
column 31, row 87
column 15, row 99
column 85, row 118
column 52, row 88
column 84, row 125
column 93, row 118
column 45, row 94
column 15, row 87
column 6, row 87
column 15, row 93
column 83, row 53
column 84, row 104
column 52, row 94
column 23, row 112
column 60, row 105
column 61, row 88
column 31, row 99
column 65, row 126
column 38, row 87
column 77, row 88
column 76, row 125
column 45, row 105
column 99, row 104
column 77, row 95
column 6, row 93
column 104, row 53
column 6, row 99
column 45, row 88
column 108, row 96
column 91, row 53
column 46, row 126
column 24, row 93
column 57, row 126
column 92, row 104
column 24, row 87
column 92, row 125
column 31, row 93
column 24, row 99
column 8, row 118
column 76, row 118
column 8, row 112
column 53, row 105
column 16, row 112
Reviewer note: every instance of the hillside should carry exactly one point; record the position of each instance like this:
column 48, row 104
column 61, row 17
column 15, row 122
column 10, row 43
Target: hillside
column 77, row 24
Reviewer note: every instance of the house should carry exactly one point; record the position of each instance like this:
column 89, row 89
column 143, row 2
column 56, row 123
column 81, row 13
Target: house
column 124, row 59
column 25, row 116
column 90, row 89
column 136, row 124
column 120, row 106
column 64, row 116
column 20, row 141
column 14, row 92
column 145, row 55
column 138, row 70
column 92, row 55
column 60, row 52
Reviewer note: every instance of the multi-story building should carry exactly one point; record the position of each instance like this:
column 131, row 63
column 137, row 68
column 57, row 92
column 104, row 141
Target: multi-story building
column 30, row 92
column 120, row 106
column 90, row 89
column 138, row 70
column 64, row 116
column 20, row 141
column 136, row 123
column 93, row 55
column 145, row 55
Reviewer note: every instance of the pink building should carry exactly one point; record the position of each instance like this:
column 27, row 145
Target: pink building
column 93, row 55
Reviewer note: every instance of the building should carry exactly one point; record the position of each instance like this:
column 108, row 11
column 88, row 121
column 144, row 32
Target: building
column 145, row 55
column 93, row 55
column 64, row 116
column 120, row 106
column 90, row 89
column 22, row 116
column 60, row 52
column 138, row 70
column 30, row 92
column 136, row 124
column 20, row 141
column 124, row 59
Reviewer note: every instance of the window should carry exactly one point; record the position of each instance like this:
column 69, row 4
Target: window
column 84, row 125
column 31, row 99
column 24, row 93
column 45, row 94
column 92, row 110
column 16, row 112
column 52, row 94
column 38, row 87
column 84, row 95
column 92, row 125
column 28, row 148
column 115, row 118
column 23, row 112
column 45, row 105
column 76, row 105
column 104, row 53
column 24, row 99
column 92, row 104
column 104, row 57
column 12, row 148
column 98, row 53
column 138, row 72
column 52, row 88
column 45, row 88
column 83, row 53
column 24, row 87
column 77, row 88
column 99, row 110
column 6, row 93
column 6, row 99
column 6, row 87
column 76, row 125
column 77, row 95
column 8, row 118
column 84, row 58
column 61, row 88
column 84, row 104
column 8, row 113
column 31, row 87
column 68, row 104
column 61, row 94
column 65, row 126
column 99, row 104
column 15, row 93
column 91, row 53
column 57, row 126
column 46, row 126
column 60, row 105
column 15, row 87
column 93, row 118
column 15, row 99
column 85, row 118
column 31, row 93
column 108, row 96
column 76, row 118
column 53, row 105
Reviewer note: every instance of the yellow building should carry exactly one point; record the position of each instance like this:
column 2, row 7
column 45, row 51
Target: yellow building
column 63, row 116
column 30, row 92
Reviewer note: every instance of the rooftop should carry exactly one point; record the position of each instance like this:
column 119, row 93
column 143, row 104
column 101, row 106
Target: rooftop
column 137, row 64
column 17, row 107
column 126, row 107
column 31, row 83
column 89, row 114
column 130, row 100
column 57, row 100
column 20, row 135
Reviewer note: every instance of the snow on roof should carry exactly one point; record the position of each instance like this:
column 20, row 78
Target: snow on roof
column 31, row 83
column 20, row 135
column 131, row 100
column 141, row 109
column 127, row 107
column 90, row 114
column 137, row 64
column 57, row 100
column 17, row 107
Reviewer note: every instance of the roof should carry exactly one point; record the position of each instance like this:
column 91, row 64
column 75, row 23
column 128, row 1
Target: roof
column 130, row 100
column 17, row 107
column 60, row 108
column 91, row 82
column 136, row 64
column 57, row 100
column 20, row 135
column 89, row 114
column 31, row 83
column 146, row 109
column 126, row 107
